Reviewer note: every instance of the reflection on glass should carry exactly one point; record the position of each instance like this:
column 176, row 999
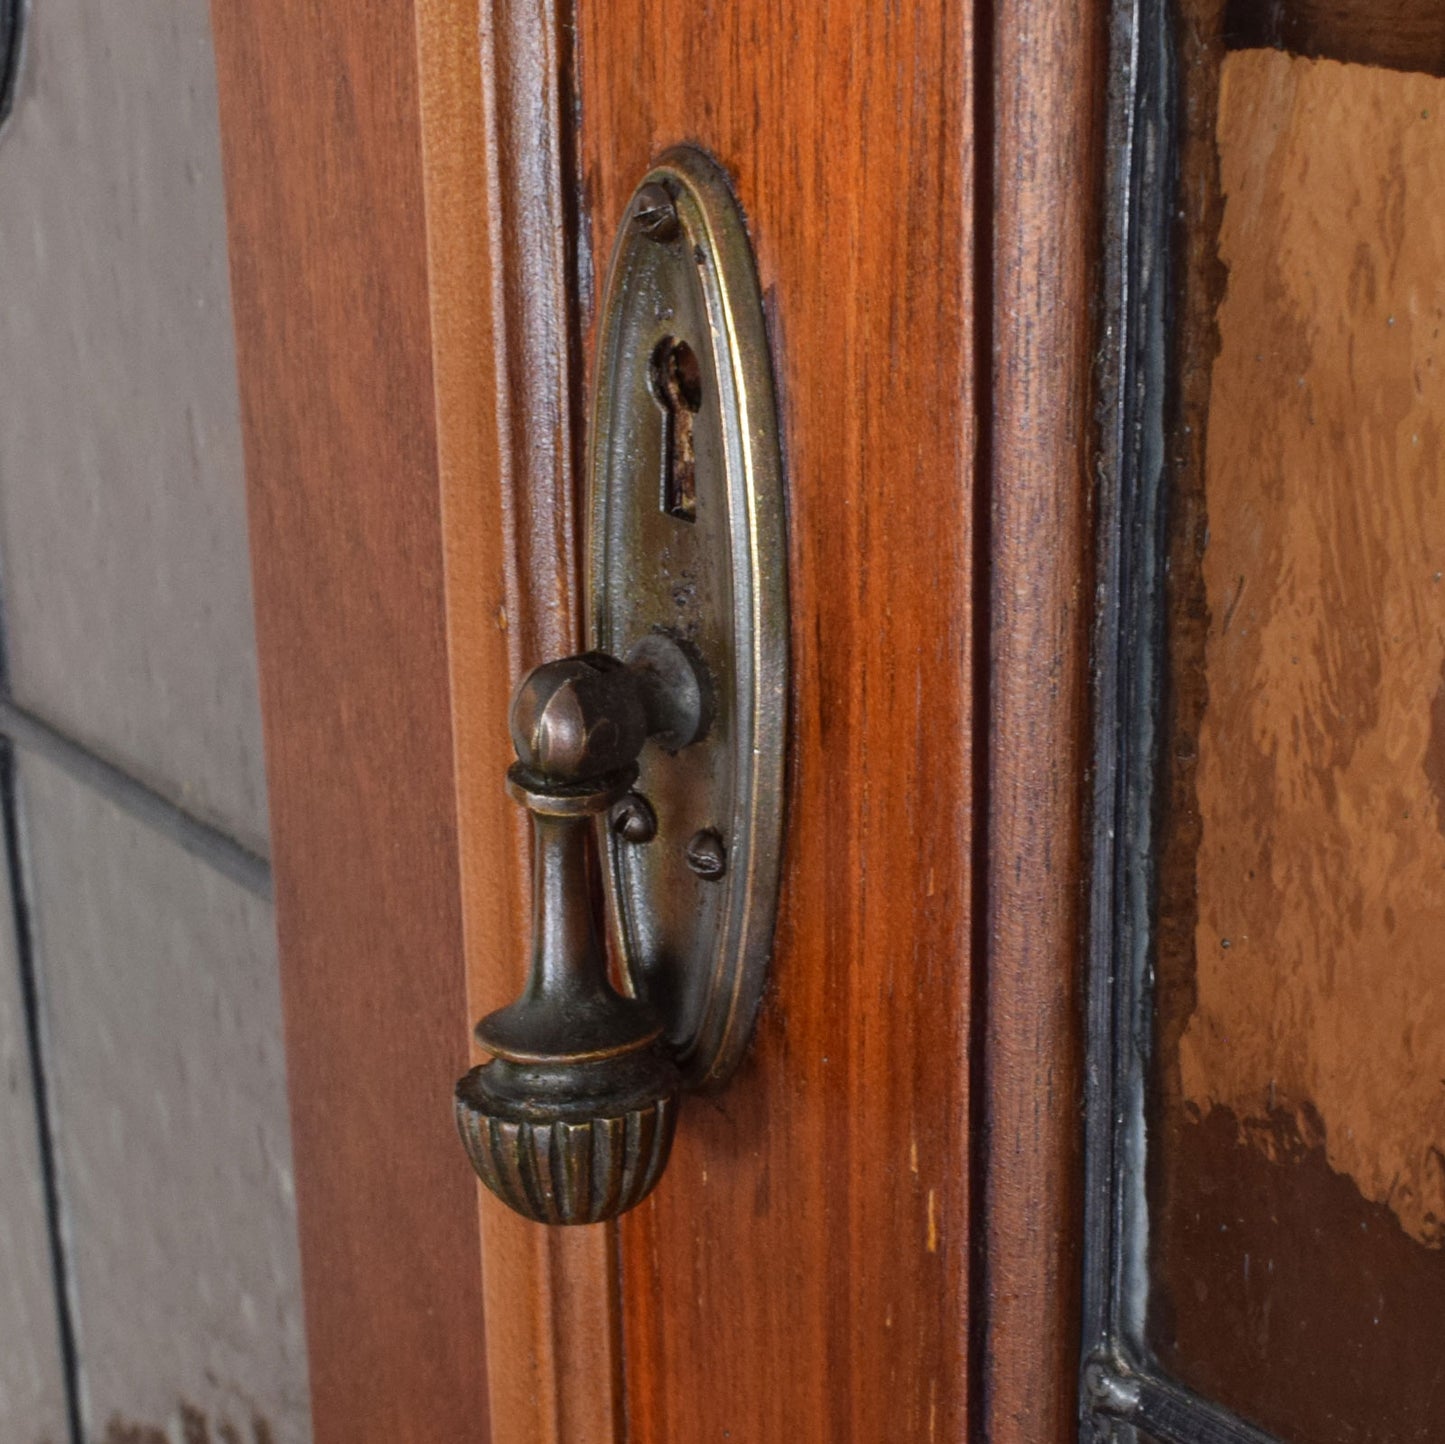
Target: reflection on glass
column 1297, row 1173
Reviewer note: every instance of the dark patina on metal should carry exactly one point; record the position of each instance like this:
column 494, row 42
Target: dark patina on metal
column 670, row 761
column 687, row 541
column 572, row 1119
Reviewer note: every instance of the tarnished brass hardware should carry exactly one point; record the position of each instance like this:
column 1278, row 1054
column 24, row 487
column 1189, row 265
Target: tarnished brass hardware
column 707, row 855
column 670, row 761
column 686, row 538
column 572, row 1119
column 633, row 819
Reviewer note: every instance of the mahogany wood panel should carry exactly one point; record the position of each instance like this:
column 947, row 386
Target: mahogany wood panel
column 321, row 140
column 1043, row 213
column 801, row 1273
column 495, row 85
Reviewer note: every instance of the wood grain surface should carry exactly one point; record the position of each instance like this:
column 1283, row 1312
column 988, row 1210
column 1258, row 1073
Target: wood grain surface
column 501, row 232
column 321, row 142
column 801, row 1272
column 1043, row 213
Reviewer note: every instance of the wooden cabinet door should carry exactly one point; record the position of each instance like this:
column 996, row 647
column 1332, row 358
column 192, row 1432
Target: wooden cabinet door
column 869, row 1236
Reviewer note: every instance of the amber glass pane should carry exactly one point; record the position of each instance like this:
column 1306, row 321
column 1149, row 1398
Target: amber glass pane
column 1297, row 1161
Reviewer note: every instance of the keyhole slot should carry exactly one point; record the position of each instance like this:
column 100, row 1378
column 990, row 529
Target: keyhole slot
column 677, row 388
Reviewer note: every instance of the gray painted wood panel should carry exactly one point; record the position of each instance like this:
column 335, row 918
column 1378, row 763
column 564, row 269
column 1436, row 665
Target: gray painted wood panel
column 32, row 1377
column 122, row 511
column 163, row 1018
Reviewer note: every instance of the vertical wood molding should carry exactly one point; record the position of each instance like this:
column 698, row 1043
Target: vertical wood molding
column 1046, row 114
column 322, row 152
column 501, row 236
column 801, row 1272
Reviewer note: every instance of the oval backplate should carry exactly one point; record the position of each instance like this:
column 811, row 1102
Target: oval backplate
column 687, row 538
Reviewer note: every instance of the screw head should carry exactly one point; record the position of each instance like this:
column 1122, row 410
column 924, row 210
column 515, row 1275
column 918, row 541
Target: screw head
column 707, row 856
column 655, row 213
column 633, row 819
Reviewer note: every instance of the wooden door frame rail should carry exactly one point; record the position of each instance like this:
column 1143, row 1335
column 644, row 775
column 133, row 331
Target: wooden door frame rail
column 404, row 214
column 1041, row 206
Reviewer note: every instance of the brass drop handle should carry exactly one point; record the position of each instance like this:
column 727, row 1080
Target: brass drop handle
column 658, row 756
column 572, row 1120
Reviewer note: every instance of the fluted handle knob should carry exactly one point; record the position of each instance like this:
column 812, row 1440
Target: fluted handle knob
column 572, row 1120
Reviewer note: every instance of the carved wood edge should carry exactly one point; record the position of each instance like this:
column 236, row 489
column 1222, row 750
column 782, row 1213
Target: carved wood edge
column 503, row 266
column 1044, row 122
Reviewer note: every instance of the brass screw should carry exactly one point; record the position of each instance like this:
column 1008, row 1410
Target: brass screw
column 655, row 213
column 633, row 819
column 707, row 856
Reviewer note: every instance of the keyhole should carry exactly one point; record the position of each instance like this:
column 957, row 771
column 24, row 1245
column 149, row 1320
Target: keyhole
column 677, row 385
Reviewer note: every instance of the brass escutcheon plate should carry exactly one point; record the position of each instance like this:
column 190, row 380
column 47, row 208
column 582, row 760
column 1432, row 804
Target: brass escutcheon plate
column 687, row 538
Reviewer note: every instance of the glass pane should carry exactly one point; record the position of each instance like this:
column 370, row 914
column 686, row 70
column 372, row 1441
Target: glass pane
column 1297, row 1156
